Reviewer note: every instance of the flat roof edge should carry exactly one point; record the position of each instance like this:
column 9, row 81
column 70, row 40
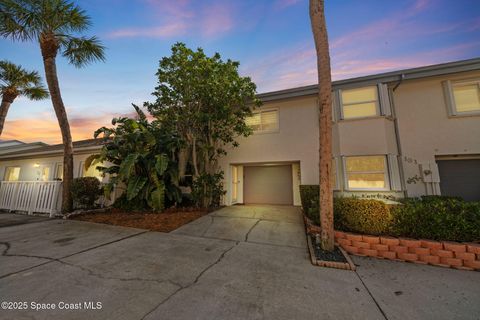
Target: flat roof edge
column 392, row 76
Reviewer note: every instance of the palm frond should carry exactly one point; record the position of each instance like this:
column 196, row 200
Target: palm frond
column 81, row 51
column 26, row 83
column 35, row 93
column 18, row 20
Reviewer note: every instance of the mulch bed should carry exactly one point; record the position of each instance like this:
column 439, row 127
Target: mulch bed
column 336, row 255
column 163, row 221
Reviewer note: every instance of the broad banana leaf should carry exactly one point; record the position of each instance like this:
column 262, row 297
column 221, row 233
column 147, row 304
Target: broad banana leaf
column 161, row 163
column 157, row 198
column 135, row 185
column 126, row 168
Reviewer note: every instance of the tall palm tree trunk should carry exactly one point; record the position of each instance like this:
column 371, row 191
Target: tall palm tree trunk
column 6, row 102
column 319, row 29
column 49, row 51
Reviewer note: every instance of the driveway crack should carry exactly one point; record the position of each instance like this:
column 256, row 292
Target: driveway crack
column 248, row 233
column 49, row 260
column 197, row 278
column 371, row 295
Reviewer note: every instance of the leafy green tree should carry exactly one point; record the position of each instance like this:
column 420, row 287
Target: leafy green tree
column 16, row 81
column 55, row 25
column 140, row 157
column 205, row 101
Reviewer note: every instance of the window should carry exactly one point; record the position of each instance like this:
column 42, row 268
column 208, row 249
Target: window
column 45, row 174
column 58, row 172
column 90, row 172
column 466, row 97
column 12, row 174
column 264, row 121
column 360, row 102
column 366, row 173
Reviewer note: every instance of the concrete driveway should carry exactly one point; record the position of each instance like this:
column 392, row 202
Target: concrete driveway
column 242, row 262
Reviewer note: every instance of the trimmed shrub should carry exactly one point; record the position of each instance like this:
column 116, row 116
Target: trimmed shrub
column 85, row 192
column 429, row 217
column 437, row 218
column 362, row 216
column 309, row 195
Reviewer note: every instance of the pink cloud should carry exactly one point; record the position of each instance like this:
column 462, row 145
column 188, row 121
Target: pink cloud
column 166, row 31
column 178, row 18
column 297, row 66
column 46, row 128
column 216, row 20
column 282, row 4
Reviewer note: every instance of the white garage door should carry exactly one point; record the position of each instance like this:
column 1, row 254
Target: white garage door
column 268, row 184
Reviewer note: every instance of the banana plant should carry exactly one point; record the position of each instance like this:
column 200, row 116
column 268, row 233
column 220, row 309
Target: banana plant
column 138, row 155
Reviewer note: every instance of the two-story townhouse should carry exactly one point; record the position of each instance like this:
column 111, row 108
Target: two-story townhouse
column 405, row 133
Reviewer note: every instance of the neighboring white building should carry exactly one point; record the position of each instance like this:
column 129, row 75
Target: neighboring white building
column 404, row 133
column 45, row 163
column 8, row 146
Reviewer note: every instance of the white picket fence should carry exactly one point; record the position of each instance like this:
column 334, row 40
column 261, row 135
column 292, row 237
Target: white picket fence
column 31, row 196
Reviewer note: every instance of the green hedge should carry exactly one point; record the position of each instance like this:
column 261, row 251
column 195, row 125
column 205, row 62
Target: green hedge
column 431, row 217
column 437, row 218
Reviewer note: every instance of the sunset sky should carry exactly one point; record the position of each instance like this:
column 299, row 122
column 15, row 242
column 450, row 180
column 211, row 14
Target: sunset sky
column 271, row 39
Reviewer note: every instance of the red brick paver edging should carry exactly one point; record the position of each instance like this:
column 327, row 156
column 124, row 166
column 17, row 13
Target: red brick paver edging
column 464, row 256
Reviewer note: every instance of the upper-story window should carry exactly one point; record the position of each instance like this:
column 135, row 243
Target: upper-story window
column 465, row 97
column 12, row 174
column 360, row 102
column 264, row 121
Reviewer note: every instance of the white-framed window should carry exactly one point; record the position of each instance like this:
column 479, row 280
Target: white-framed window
column 58, row 172
column 360, row 102
column 45, row 173
column 366, row 173
column 12, row 174
column 463, row 97
column 90, row 172
column 264, row 121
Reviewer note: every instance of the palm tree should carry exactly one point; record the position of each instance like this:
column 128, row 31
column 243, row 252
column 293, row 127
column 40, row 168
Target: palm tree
column 319, row 29
column 16, row 81
column 55, row 25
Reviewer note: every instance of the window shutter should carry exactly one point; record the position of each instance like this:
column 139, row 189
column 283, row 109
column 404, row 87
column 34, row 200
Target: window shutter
column 343, row 172
column 338, row 169
column 394, row 172
column 336, row 105
column 447, row 89
column 338, row 101
column 384, row 100
column 334, row 118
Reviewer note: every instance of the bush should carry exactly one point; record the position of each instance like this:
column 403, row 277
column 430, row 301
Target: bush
column 437, row 218
column 309, row 195
column 429, row 217
column 207, row 190
column 362, row 216
column 85, row 192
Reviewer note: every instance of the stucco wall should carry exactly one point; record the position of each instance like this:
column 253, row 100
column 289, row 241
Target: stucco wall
column 295, row 142
column 426, row 130
column 29, row 172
